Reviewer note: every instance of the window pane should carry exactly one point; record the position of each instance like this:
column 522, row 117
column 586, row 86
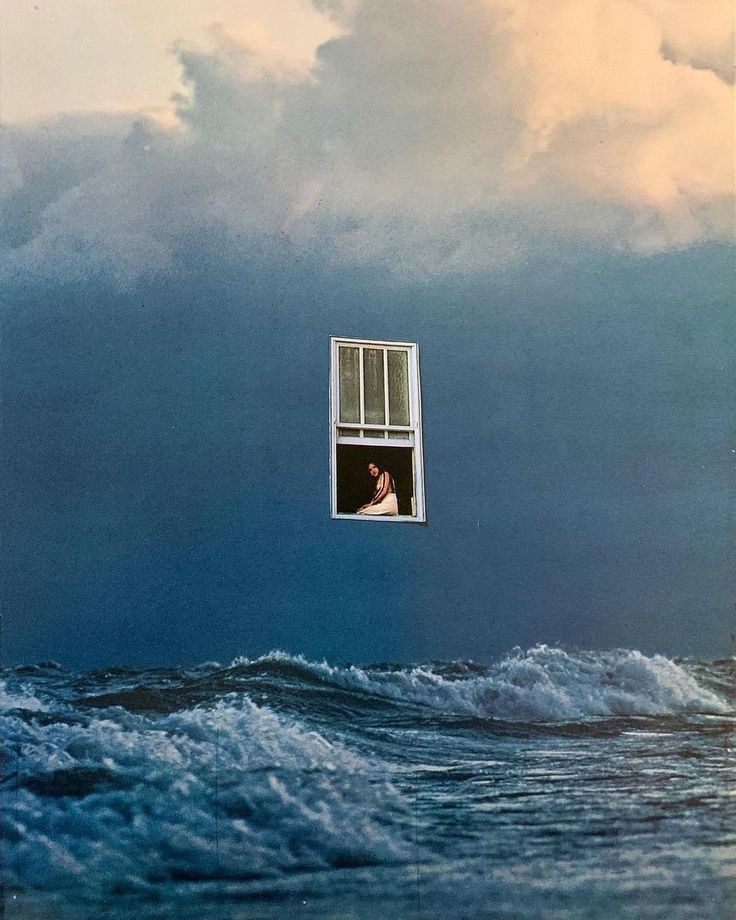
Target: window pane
column 399, row 435
column 349, row 385
column 375, row 407
column 398, row 388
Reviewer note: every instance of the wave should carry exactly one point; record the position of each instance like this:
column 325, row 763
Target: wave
column 128, row 782
column 20, row 698
column 542, row 684
column 230, row 791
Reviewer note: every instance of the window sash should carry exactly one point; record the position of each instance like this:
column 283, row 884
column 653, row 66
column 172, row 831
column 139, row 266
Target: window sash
column 391, row 397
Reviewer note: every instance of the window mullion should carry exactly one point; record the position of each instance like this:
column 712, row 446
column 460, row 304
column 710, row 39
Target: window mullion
column 386, row 416
column 362, row 388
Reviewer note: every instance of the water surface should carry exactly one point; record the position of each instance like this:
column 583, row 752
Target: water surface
column 550, row 784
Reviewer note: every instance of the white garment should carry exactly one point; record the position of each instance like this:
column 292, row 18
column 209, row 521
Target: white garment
column 389, row 505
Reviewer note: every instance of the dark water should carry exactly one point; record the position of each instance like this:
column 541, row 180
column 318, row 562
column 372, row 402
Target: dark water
column 550, row 784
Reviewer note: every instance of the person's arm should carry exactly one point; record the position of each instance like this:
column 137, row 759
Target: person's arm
column 383, row 487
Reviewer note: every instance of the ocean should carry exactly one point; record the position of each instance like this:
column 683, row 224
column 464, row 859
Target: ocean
column 552, row 783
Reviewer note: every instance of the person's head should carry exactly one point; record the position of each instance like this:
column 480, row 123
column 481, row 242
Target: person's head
column 374, row 470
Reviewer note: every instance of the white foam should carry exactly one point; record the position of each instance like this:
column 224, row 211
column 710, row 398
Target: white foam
column 543, row 684
column 22, row 698
column 234, row 790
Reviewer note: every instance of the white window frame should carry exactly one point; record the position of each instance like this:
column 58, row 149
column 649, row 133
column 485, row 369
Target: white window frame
column 414, row 440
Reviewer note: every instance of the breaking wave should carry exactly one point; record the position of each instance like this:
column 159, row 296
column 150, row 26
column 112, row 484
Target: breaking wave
column 543, row 684
column 151, row 784
column 233, row 791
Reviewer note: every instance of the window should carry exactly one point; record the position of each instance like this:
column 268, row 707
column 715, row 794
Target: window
column 376, row 466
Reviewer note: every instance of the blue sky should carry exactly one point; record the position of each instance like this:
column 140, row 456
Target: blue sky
column 554, row 228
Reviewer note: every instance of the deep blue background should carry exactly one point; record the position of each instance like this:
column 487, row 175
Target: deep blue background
column 167, row 451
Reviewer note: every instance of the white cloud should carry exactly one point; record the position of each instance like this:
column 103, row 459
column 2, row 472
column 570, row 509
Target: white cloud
column 700, row 34
column 430, row 137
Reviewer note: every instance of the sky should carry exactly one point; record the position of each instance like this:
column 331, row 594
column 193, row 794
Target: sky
column 195, row 196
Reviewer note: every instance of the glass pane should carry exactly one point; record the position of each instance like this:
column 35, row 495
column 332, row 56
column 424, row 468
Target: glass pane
column 375, row 406
column 349, row 385
column 398, row 388
column 399, row 435
column 348, row 432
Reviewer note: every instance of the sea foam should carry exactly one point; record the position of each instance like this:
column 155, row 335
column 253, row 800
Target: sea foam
column 277, row 775
column 543, row 684
column 233, row 790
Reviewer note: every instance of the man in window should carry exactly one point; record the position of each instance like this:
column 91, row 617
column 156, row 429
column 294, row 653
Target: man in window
column 384, row 497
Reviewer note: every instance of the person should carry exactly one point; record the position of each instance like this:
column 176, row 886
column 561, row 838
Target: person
column 384, row 498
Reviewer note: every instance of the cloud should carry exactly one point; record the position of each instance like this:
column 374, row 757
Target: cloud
column 702, row 37
column 429, row 138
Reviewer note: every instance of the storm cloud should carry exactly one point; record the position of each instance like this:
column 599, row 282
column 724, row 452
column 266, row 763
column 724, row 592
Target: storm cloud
column 427, row 139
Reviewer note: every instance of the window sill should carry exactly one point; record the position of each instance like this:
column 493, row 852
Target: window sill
column 381, row 518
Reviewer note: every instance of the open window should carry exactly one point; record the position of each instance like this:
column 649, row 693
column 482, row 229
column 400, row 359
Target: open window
column 377, row 470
